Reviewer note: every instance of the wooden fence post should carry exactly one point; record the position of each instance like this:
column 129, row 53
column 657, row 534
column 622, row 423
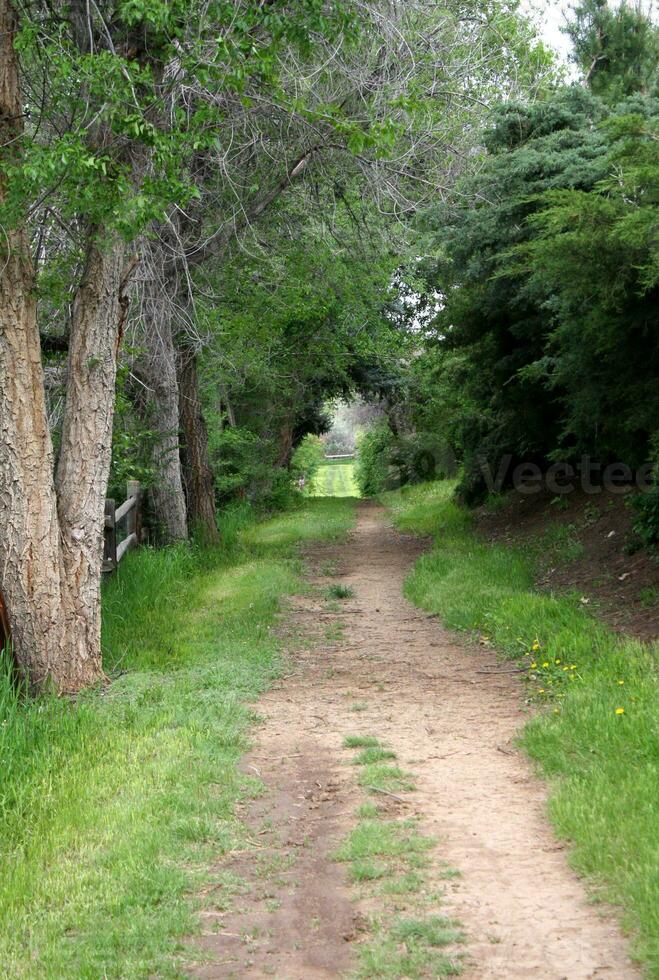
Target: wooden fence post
column 110, row 542
column 134, row 518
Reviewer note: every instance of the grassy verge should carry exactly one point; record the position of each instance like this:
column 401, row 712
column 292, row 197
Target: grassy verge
column 595, row 737
column 113, row 807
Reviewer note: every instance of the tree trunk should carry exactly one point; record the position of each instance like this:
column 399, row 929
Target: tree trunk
column 4, row 625
column 157, row 368
column 84, row 460
column 47, row 603
column 30, row 554
column 51, row 532
column 51, row 542
column 285, row 446
column 30, row 559
column 199, row 482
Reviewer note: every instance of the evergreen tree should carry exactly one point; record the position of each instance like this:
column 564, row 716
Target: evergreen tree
column 617, row 50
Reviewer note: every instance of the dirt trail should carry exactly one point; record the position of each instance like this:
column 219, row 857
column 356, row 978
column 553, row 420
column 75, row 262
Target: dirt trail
column 525, row 912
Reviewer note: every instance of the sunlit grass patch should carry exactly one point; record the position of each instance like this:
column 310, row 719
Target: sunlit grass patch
column 336, row 479
column 332, row 516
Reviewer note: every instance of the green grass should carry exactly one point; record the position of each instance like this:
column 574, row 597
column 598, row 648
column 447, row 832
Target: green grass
column 113, row 806
column 373, row 838
column 378, row 776
column 436, row 930
column 361, row 742
column 339, row 592
column 602, row 763
column 386, row 958
column 335, row 480
column 373, row 754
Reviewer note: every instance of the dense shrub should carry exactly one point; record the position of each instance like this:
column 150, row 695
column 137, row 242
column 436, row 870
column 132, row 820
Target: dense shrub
column 386, row 461
column 373, row 472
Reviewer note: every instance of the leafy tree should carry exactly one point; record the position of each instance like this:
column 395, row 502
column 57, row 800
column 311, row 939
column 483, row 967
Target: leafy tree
column 389, row 117
column 374, row 460
column 86, row 149
column 292, row 326
column 105, row 149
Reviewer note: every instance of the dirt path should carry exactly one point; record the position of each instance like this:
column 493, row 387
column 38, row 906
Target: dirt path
column 525, row 912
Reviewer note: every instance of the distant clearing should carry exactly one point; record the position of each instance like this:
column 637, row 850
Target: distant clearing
column 336, row 480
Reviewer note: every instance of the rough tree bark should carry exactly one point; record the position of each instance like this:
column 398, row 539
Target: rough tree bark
column 157, row 369
column 51, row 533
column 198, row 476
column 84, row 460
column 285, row 446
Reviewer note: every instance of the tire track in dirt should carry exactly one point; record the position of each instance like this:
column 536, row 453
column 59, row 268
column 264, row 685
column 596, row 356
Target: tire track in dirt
column 525, row 912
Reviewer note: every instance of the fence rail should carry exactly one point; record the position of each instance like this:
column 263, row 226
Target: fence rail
column 344, row 456
column 129, row 512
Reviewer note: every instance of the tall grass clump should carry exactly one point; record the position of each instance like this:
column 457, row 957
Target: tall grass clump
column 594, row 735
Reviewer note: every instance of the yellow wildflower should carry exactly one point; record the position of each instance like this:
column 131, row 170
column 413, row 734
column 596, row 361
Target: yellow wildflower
column 621, row 682
column 620, row 711
column 545, row 664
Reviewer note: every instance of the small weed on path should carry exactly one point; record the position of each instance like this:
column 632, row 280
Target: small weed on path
column 379, row 777
column 361, row 742
column 339, row 592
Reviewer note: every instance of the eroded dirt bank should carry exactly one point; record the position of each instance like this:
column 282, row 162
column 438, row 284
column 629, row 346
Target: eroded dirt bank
column 296, row 917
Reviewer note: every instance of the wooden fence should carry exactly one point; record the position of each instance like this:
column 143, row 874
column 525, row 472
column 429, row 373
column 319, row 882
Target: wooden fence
column 129, row 514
